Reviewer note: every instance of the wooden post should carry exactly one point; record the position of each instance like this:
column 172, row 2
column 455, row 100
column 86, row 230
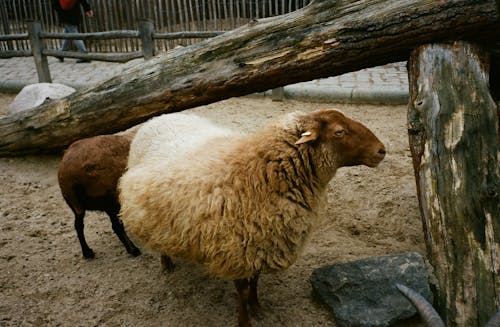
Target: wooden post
column 146, row 30
column 454, row 139
column 37, row 47
column 278, row 94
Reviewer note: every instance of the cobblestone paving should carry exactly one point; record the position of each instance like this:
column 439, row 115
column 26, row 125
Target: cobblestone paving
column 388, row 83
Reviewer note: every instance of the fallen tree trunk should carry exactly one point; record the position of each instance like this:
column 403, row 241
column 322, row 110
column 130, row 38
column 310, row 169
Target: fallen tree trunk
column 454, row 139
column 323, row 39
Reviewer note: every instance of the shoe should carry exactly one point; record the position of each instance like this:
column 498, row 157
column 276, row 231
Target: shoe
column 61, row 59
column 80, row 61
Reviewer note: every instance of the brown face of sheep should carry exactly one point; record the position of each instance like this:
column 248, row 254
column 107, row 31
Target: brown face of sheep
column 353, row 142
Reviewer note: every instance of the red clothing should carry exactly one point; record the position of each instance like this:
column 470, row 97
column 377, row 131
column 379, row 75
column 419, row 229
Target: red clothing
column 72, row 16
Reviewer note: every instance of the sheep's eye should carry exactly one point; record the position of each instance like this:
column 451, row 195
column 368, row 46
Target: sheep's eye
column 340, row 132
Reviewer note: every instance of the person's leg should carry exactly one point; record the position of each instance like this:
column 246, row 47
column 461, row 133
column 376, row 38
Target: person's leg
column 79, row 45
column 66, row 42
column 69, row 28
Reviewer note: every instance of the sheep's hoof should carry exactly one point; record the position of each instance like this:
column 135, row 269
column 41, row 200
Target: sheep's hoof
column 88, row 254
column 256, row 312
column 167, row 264
column 134, row 251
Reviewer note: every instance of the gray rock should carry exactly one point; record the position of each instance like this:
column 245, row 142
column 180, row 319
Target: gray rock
column 363, row 293
column 34, row 95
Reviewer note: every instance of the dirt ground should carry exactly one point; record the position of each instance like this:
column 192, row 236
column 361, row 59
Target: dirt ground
column 44, row 280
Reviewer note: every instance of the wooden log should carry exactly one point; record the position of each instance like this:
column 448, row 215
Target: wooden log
column 454, row 139
column 323, row 39
column 186, row 35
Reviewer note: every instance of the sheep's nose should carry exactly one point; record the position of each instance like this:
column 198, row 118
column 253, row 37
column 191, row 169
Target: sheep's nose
column 381, row 153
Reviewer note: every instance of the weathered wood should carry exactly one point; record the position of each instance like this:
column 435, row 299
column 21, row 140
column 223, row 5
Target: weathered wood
column 37, row 47
column 278, row 94
column 5, row 23
column 147, row 29
column 454, row 139
column 495, row 76
column 186, row 35
column 9, row 37
column 110, row 57
column 91, row 36
column 15, row 53
column 323, row 39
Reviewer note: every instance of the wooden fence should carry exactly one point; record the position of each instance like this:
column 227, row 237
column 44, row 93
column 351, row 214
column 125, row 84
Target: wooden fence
column 168, row 16
column 38, row 49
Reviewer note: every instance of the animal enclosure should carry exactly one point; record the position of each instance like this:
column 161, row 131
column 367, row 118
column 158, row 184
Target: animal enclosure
column 396, row 29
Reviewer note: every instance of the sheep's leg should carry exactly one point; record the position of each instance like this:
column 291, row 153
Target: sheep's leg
column 86, row 250
column 253, row 301
column 166, row 264
column 120, row 232
column 243, row 288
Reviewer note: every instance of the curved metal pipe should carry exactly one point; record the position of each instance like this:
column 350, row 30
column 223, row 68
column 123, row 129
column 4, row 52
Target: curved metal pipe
column 429, row 315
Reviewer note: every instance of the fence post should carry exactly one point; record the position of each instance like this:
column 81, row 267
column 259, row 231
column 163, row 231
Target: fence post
column 146, row 30
column 37, row 47
column 278, row 94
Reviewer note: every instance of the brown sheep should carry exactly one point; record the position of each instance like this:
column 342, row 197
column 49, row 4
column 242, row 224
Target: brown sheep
column 88, row 176
column 237, row 204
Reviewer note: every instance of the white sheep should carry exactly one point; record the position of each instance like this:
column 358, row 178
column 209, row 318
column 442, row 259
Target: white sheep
column 157, row 137
column 239, row 204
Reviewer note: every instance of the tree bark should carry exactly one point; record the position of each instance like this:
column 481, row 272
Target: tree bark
column 325, row 38
column 454, row 139
column 495, row 77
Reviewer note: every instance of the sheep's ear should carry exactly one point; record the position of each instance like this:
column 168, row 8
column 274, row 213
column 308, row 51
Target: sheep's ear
column 307, row 136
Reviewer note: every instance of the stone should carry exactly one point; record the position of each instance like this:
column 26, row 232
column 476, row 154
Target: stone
column 363, row 293
column 34, row 95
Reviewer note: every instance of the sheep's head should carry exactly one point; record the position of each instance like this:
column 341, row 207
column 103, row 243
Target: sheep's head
column 353, row 143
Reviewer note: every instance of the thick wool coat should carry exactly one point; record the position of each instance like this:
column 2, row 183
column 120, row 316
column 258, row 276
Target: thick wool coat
column 237, row 204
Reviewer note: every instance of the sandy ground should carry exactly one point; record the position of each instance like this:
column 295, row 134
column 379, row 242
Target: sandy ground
column 44, row 281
